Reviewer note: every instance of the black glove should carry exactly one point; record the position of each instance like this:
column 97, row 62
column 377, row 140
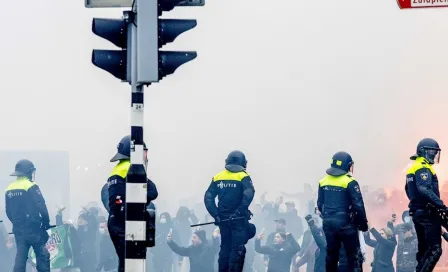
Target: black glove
column 445, row 236
column 45, row 226
column 309, row 219
column 443, row 209
column 217, row 220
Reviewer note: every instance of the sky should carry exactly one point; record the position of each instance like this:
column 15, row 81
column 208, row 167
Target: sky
column 288, row 83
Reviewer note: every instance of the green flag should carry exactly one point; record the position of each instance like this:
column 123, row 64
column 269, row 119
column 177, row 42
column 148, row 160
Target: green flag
column 59, row 247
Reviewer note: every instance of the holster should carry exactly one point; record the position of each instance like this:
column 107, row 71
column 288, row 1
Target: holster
column 150, row 219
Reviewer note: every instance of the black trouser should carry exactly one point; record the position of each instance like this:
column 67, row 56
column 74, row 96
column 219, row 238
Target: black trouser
column 428, row 228
column 116, row 229
column 115, row 226
column 233, row 250
column 36, row 240
column 337, row 231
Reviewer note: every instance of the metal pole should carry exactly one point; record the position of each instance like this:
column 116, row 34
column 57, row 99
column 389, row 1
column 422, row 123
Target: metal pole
column 135, row 228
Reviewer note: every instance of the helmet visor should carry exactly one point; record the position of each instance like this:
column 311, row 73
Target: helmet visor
column 33, row 175
column 433, row 155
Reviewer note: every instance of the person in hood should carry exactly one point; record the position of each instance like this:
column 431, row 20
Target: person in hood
column 86, row 234
column 181, row 223
column 201, row 252
column 163, row 256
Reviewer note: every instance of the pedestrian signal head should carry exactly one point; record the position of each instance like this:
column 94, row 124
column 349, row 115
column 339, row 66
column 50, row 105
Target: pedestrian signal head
column 24, row 168
column 341, row 164
column 236, row 161
column 429, row 149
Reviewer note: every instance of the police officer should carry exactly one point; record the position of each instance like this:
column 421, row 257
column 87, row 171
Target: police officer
column 422, row 188
column 339, row 202
column 113, row 196
column 27, row 211
column 235, row 191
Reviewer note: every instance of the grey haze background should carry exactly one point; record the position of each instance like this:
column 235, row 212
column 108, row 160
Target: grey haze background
column 289, row 83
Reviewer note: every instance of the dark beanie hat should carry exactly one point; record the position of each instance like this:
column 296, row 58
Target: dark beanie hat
column 201, row 234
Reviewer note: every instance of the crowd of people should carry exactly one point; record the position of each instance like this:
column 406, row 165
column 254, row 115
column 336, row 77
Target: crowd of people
column 289, row 236
column 338, row 227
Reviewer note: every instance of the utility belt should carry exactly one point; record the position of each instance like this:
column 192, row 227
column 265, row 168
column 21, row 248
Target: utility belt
column 334, row 214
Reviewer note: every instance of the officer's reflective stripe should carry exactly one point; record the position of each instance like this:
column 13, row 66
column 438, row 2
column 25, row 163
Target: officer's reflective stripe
column 420, row 163
column 21, row 183
column 121, row 169
column 227, row 175
column 340, row 181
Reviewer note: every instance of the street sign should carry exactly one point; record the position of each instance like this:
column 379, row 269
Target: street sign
column 128, row 3
column 410, row 4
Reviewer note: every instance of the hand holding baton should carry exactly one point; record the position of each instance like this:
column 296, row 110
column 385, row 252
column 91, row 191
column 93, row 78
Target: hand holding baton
column 225, row 220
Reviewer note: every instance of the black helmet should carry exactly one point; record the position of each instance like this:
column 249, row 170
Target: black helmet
column 236, row 161
column 24, row 168
column 340, row 164
column 124, row 149
column 429, row 149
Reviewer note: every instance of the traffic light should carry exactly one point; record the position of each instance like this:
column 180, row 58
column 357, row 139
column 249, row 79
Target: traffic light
column 112, row 61
column 153, row 33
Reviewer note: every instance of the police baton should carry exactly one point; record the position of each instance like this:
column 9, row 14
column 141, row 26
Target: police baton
column 50, row 227
column 210, row 223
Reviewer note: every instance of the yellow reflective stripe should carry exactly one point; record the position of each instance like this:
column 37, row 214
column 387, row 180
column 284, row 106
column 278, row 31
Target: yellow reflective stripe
column 420, row 163
column 121, row 169
column 21, row 183
column 227, row 175
column 341, row 181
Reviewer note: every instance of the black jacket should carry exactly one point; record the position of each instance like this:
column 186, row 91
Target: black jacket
column 422, row 186
column 321, row 252
column 116, row 188
column 280, row 256
column 201, row 257
column 383, row 252
column 340, row 196
column 25, row 206
column 235, row 192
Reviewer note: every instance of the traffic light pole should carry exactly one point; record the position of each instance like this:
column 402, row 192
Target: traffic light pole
column 140, row 34
column 136, row 182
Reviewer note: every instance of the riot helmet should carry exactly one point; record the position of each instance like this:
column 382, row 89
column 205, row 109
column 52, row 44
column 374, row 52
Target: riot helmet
column 429, row 149
column 124, row 150
column 236, row 161
column 341, row 164
column 24, row 168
